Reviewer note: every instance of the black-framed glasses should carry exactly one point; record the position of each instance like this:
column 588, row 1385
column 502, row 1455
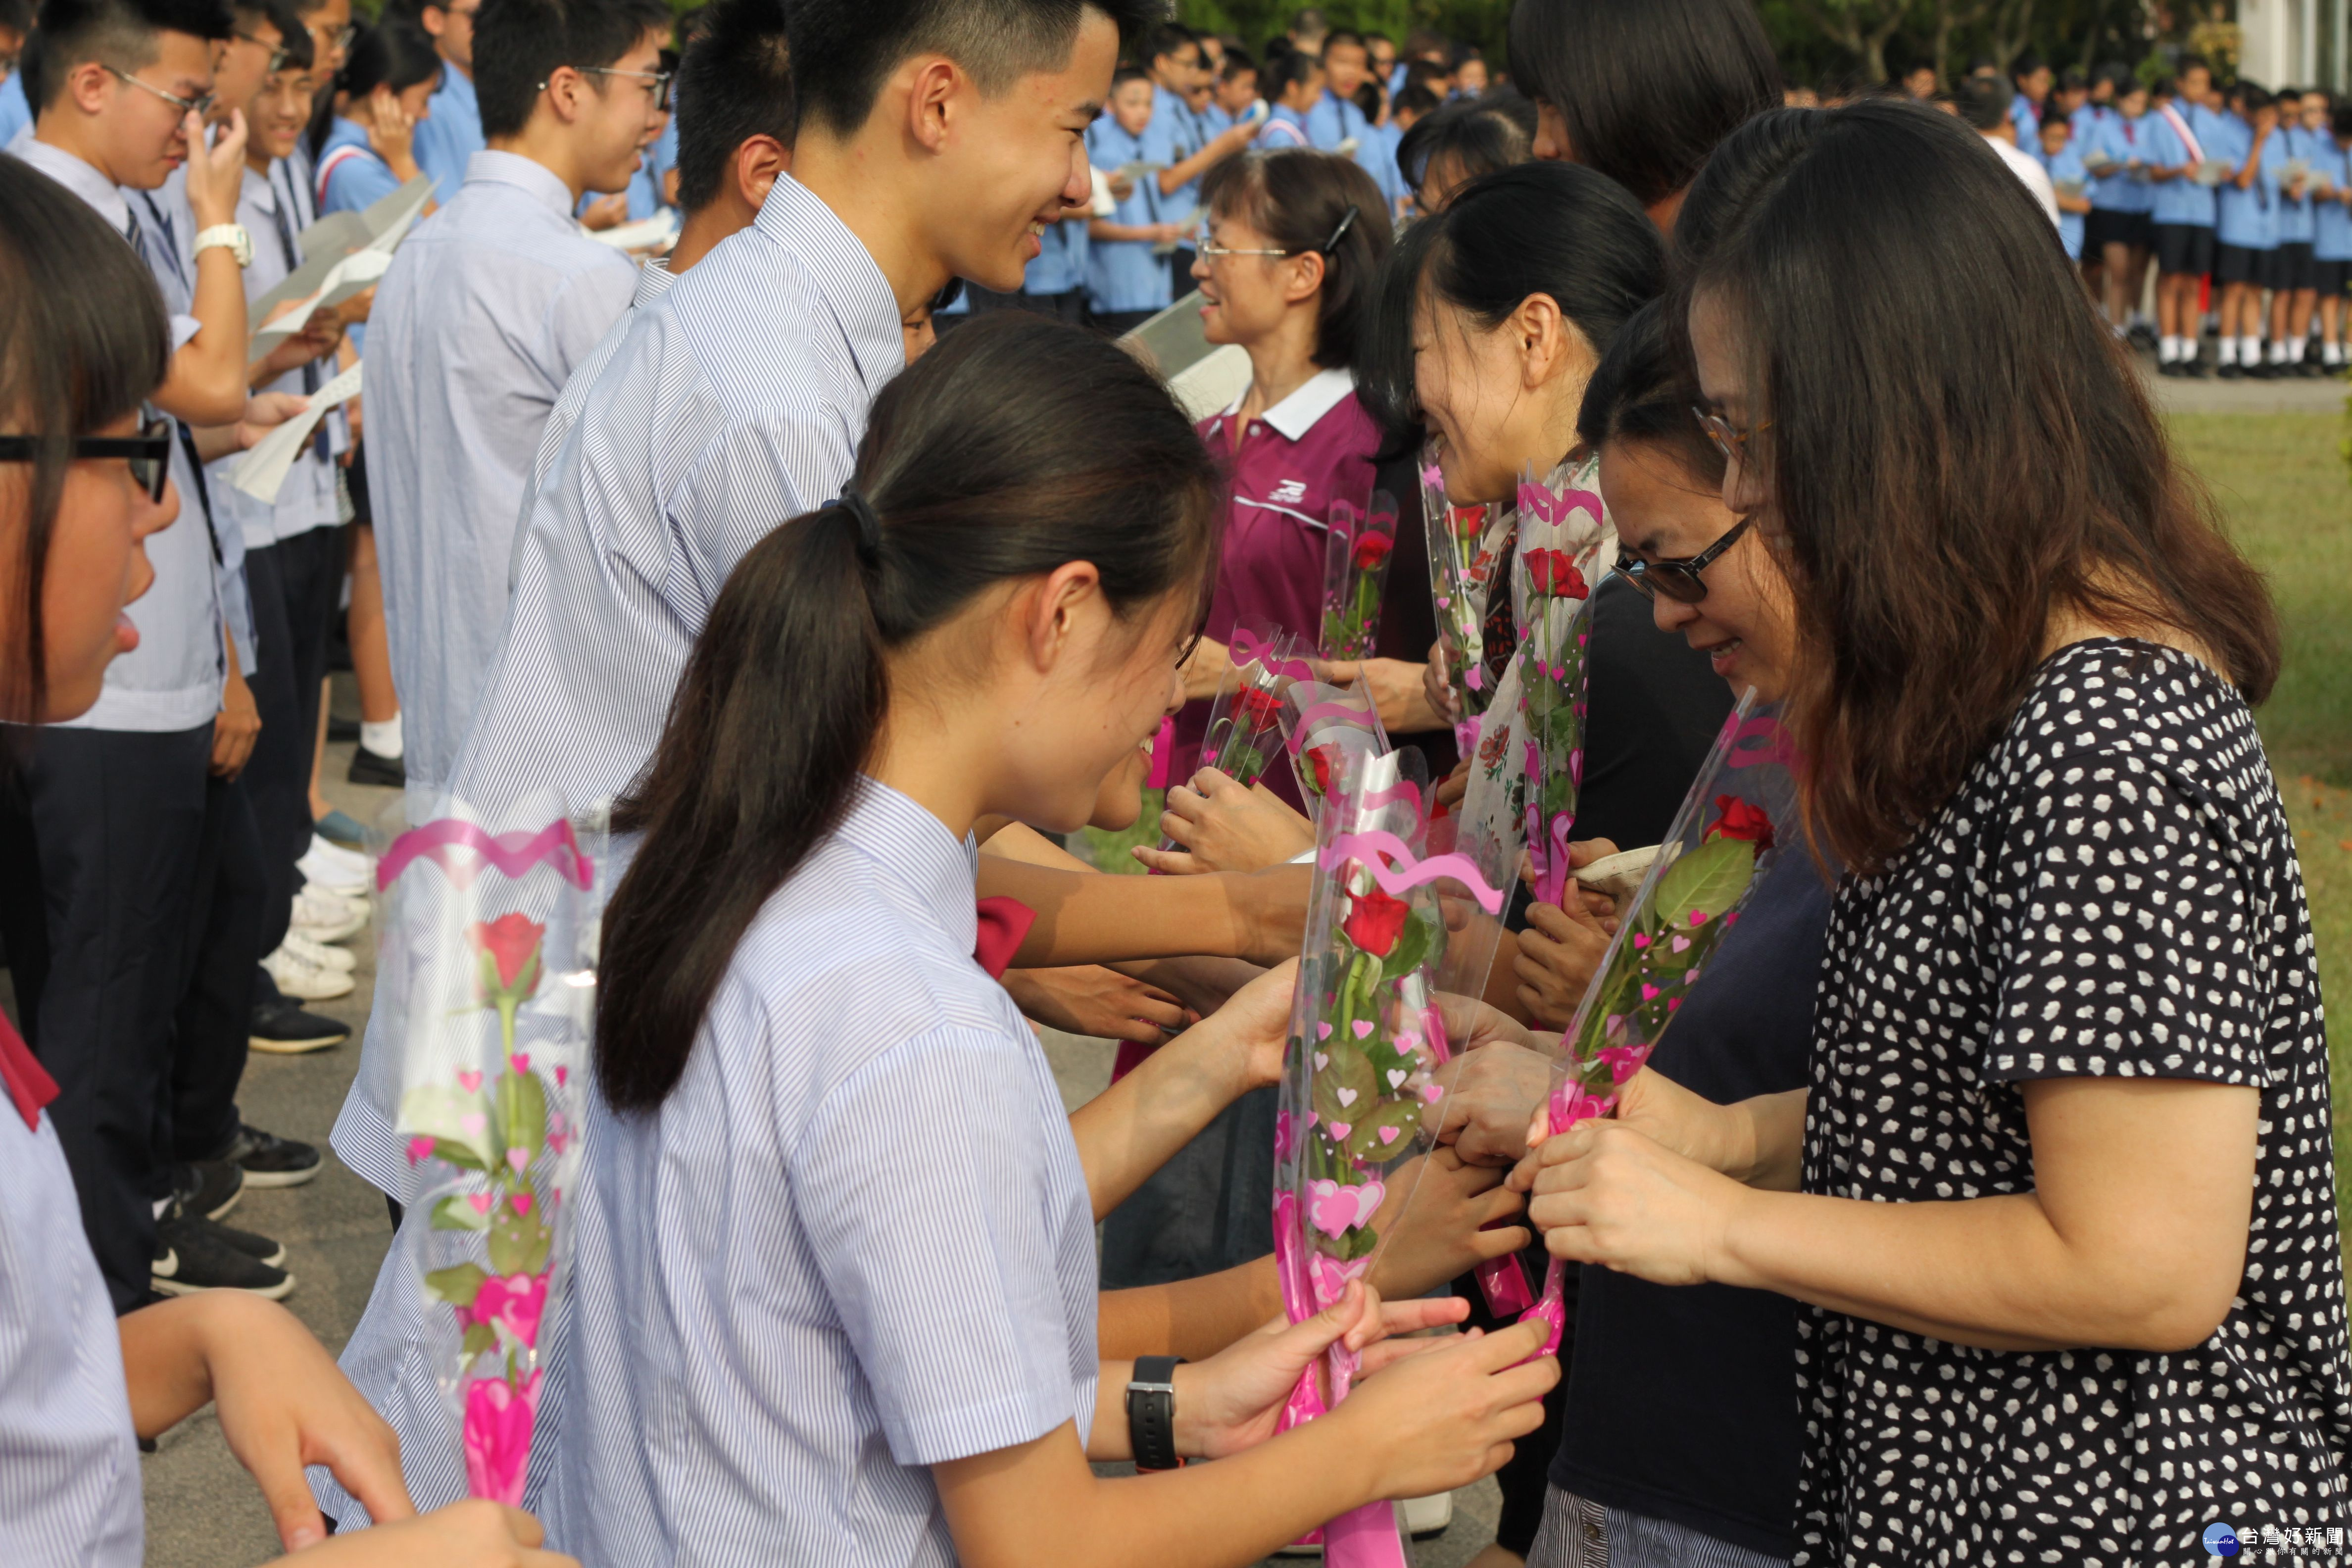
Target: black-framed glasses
column 661, row 81
column 278, row 54
column 199, row 107
column 1729, row 439
column 148, row 452
column 1678, row 580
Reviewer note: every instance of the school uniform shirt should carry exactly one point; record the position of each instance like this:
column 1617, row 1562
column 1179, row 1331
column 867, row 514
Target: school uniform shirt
column 487, row 308
column 2296, row 217
column 1126, row 274
column 1291, row 462
column 1283, row 127
column 855, row 1242
column 2249, row 217
column 2068, row 165
column 2178, row 134
column 1060, row 265
column 16, row 113
column 2027, row 118
column 172, row 681
column 2331, row 222
column 2121, row 140
column 1335, row 119
column 450, row 133
column 1172, row 134
column 1215, row 120
column 69, row 1481
column 2028, row 168
column 307, row 498
column 348, row 175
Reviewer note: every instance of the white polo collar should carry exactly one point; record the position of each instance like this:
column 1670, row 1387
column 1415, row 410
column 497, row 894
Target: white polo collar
column 1304, row 409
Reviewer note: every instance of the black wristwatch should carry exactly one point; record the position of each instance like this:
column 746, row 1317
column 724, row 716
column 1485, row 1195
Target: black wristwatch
column 1151, row 1412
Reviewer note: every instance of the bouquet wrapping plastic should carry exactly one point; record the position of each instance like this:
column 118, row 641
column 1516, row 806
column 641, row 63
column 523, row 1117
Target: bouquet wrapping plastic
column 1738, row 819
column 1357, row 546
column 1327, row 729
column 1245, row 732
column 489, row 956
column 1466, row 544
column 1362, row 1077
column 1565, row 543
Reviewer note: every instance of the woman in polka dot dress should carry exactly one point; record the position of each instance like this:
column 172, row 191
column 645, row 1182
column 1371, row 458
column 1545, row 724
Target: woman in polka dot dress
column 2059, row 1196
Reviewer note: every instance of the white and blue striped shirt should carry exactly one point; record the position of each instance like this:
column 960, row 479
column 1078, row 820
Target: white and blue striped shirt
column 855, row 1242
column 486, row 309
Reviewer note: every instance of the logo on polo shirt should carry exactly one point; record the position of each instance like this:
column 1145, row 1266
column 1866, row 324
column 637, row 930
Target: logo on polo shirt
column 1290, row 492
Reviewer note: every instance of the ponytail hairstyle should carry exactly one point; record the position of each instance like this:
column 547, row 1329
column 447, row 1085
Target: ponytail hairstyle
column 396, row 55
column 1557, row 229
column 1303, row 200
column 1015, row 446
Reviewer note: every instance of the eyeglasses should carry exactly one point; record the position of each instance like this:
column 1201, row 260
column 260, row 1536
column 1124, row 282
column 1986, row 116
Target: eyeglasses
column 341, row 38
column 1211, row 249
column 278, row 54
column 1729, row 439
column 199, row 107
column 661, row 81
column 1678, row 580
column 148, row 452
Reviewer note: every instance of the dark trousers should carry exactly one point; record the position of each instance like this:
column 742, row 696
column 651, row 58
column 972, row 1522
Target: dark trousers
column 295, row 585
column 213, row 1022
column 1180, row 270
column 1209, row 1208
column 97, row 872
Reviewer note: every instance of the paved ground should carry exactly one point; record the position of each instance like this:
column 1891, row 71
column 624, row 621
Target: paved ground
column 202, row 1509
column 2200, row 396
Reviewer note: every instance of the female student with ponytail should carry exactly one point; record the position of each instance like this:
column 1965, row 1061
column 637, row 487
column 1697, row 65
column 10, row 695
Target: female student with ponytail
column 835, row 1284
column 2058, row 1200
column 363, row 132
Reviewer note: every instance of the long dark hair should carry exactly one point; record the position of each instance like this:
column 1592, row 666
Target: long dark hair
column 83, row 342
column 1940, row 511
column 1642, row 391
column 1645, row 87
column 1558, row 229
column 1012, row 447
column 1301, row 199
column 394, row 55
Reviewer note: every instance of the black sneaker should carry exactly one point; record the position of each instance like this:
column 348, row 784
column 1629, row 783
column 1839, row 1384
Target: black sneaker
column 341, row 731
column 208, row 1188
column 281, row 1028
column 2229, row 371
column 269, row 1161
column 194, row 1255
column 372, row 768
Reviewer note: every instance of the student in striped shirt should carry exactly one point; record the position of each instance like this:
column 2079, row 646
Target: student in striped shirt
column 834, row 1296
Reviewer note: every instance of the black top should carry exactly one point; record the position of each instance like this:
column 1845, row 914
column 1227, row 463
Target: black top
column 2111, row 891
column 1682, row 1402
column 1408, row 617
column 1657, row 706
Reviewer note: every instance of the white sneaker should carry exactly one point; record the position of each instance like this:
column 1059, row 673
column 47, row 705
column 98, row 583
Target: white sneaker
column 318, row 954
column 327, row 852
column 1426, row 1515
column 326, row 917
column 331, row 878
column 298, row 977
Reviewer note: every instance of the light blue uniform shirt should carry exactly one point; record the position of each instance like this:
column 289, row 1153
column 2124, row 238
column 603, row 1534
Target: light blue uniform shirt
column 2179, row 200
column 450, row 133
column 856, row 1241
column 1215, row 120
column 69, row 1481
column 2027, row 120
column 172, row 681
column 488, row 306
column 1126, row 274
column 2249, row 217
column 1283, row 127
column 1334, row 120
column 2068, row 165
column 2296, row 217
column 349, row 176
column 16, row 114
column 1061, row 265
column 2122, row 140
column 2331, row 236
column 1171, row 135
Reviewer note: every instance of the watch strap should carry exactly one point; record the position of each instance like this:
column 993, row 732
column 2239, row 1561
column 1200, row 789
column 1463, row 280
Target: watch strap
column 1151, row 1413
column 230, row 237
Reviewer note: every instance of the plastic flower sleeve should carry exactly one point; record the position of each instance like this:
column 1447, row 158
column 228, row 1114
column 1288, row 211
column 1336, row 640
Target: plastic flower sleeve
column 1356, row 545
column 1738, row 820
column 1325, row 728
column 1245, row 734
column 1361, row 1077
column 496, row 931
column 1565, row 543
column 1465, row 545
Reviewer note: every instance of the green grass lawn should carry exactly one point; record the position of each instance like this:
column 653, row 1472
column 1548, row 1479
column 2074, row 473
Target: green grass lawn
column 2280, row 479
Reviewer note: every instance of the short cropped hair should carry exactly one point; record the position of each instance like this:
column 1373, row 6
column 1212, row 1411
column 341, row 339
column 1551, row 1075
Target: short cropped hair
column 294, row 39
column 843, row 50
column 735, row 83
column 119, row 33
column 519, row 43
column 1985, row 101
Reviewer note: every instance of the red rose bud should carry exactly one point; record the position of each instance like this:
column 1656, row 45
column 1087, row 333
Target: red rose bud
column 1371, row 550
column 1375, row 921
column 512, row 943
column 1254, row 707
column 1554, row 574
column 1735, row 818
column 1319, row 768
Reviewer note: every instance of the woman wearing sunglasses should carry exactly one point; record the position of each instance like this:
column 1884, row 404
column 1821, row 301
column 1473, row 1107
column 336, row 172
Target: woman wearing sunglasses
column 84, row 482
column 2058, row 1199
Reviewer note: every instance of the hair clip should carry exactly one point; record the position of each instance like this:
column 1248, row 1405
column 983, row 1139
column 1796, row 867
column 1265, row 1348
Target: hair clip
column 1346, row 219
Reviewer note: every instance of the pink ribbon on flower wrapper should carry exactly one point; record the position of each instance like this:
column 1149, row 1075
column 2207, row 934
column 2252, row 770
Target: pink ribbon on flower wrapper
column 1248, row 647
column 512, row 853
column 1398, row 870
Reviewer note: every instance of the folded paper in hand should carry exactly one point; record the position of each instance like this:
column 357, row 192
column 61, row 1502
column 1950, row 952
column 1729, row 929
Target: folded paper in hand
column 645, row 234
column 354, row 275
column 331, row 270
column 263, row 470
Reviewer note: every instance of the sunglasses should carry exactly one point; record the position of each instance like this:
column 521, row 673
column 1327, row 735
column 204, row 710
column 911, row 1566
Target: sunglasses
column 1677, row 579
column 149, row 453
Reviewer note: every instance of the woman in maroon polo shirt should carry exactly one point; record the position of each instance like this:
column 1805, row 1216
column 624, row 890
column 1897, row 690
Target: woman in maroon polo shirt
column 1285, row 269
